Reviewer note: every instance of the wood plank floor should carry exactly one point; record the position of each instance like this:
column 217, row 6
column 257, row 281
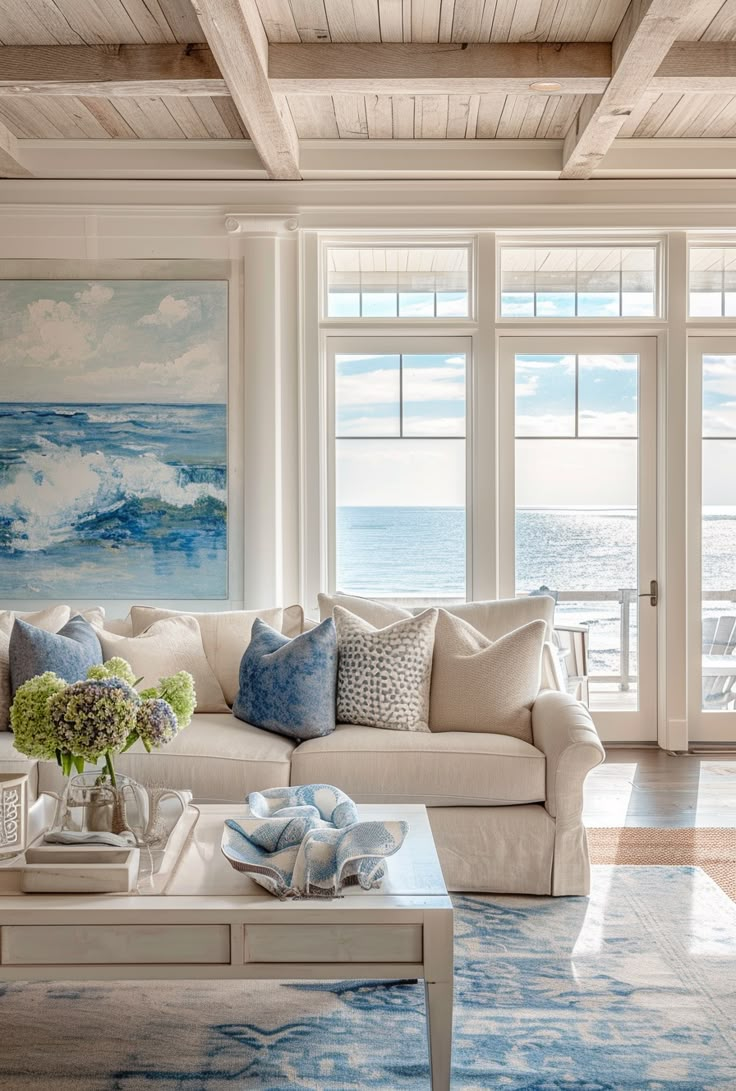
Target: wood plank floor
column 653, row 788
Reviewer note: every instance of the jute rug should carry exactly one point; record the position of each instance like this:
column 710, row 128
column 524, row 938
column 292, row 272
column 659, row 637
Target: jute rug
column 712, row 848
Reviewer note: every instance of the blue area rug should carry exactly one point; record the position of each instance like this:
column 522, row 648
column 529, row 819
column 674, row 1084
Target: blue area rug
column 632, row 990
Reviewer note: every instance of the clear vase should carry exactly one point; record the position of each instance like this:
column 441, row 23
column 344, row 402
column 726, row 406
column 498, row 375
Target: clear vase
column 92, row 804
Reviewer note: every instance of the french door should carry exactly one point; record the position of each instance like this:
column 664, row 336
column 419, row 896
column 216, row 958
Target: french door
column 577, row 492
column 712, row 540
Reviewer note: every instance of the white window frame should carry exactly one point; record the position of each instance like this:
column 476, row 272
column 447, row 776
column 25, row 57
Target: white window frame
column 550, row 240
column 394, row 343
column 403, row 242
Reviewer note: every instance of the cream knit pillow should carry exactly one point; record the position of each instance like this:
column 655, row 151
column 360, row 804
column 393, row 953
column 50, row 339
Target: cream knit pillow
column 225, row 636
column 482, row 685
column 170, row 645
column 383, row 675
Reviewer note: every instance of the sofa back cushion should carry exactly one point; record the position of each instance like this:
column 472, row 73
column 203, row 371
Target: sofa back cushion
column 482, row 685
column 288, row 686
column 169, row 645
column 493, row 618
column 225, row 635
column 68, row 653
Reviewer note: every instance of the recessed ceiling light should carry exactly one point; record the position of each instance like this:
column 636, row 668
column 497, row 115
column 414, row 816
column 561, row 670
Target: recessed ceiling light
column 545, row 85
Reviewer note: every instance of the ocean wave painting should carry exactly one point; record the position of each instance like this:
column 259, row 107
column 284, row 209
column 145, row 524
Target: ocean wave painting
column 113, row 454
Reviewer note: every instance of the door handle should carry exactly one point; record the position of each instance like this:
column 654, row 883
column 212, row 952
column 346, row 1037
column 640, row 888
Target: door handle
column 652, row 594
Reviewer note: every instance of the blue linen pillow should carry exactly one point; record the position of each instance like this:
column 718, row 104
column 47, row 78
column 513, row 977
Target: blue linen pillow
column 289, row 686
column 68, row 653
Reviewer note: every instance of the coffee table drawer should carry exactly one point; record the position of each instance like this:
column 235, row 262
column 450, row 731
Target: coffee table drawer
column 339, row 943
column 114, row 945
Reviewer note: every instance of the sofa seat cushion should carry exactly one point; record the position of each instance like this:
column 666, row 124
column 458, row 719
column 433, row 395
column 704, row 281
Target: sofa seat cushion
column 217, row 757
column 451, row 769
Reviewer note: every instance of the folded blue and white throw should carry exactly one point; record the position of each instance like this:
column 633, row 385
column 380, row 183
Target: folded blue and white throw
column 308, row 842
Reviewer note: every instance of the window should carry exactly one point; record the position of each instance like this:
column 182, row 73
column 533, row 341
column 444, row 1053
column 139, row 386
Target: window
column 712, row 281
column 398, row 282
column 400, row 411
column 718, row 530
column 578, row 281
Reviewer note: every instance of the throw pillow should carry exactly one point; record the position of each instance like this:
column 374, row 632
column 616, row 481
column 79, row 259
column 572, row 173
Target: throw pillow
column 383, row 675
column 170, row 645
column 51, row 619
column 225, row 637
column 482, row 685
column 68, row 653
column 377, row 613
column 288, row 686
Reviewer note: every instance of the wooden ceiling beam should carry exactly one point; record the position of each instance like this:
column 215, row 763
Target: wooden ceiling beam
column 647, row 32
column 238, row 41
column 693, row 68
column 417, row 68
column 10, row 159
column 110, row 71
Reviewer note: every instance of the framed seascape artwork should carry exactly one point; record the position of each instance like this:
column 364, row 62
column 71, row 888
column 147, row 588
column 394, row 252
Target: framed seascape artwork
column 113, row 439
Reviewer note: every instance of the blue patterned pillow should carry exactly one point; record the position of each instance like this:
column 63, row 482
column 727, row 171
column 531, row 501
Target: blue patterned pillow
column 68, row 653
column 288, row 686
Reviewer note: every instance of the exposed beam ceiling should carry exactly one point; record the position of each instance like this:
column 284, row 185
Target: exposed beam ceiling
column 173, row 70
column 235, row 34
column 10, row 160
column 647, row 33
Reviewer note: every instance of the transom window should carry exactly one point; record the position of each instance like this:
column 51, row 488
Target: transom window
column 398, row 282
column 578, row 281
column 712, row 281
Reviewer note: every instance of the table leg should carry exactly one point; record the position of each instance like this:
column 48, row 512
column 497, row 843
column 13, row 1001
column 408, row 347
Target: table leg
column 439, row 1032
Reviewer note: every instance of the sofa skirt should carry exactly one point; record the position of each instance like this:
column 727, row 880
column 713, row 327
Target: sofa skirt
column 503, row 850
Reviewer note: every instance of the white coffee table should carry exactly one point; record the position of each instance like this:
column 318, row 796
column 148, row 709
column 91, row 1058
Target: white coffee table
column 215, row 923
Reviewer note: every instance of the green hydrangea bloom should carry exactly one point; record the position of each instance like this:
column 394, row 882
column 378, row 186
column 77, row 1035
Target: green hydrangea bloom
column 35, row 733
column 178, row 690
column 95, row 717
column 113, row 668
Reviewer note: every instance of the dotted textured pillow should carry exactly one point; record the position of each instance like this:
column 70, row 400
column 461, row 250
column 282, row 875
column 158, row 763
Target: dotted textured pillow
column 383, row 675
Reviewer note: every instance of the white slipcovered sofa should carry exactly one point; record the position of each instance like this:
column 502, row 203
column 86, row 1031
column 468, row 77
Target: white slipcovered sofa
column 506, row 814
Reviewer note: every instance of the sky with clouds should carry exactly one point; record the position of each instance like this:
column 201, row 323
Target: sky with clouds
column 113, row 341
column 553, row 469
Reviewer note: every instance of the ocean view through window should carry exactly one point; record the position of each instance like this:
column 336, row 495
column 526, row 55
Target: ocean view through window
column 400, row 426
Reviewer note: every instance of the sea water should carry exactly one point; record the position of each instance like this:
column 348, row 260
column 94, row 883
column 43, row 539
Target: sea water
column 113, row 501
column 406, row 552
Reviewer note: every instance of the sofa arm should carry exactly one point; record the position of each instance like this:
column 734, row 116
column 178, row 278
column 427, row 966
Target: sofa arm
column 563, row 730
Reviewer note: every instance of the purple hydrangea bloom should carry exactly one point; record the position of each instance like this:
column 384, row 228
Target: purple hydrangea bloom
column 156, row 722
column 94, row 717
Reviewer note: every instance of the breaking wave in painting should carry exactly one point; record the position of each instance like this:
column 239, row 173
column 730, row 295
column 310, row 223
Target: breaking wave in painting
column 115, row 501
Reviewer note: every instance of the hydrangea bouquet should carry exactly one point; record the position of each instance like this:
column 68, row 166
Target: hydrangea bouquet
column 100, row 717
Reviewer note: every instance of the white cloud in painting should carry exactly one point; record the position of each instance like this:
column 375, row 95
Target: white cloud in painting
column 96, row 294
column 56, row 333
column 193, row 376
column 82, row 341
column 170, row 311
column 545, row 424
